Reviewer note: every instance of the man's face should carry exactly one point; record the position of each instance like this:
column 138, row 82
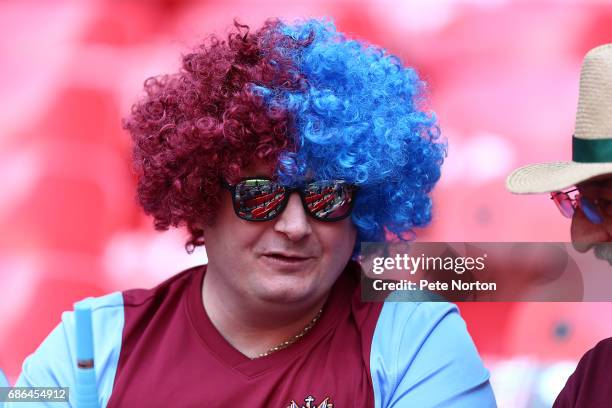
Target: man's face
column 586, row 235
column 292, row 258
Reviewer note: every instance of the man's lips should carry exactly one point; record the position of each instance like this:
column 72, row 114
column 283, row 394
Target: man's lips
column 286, row 261
column 288, row 257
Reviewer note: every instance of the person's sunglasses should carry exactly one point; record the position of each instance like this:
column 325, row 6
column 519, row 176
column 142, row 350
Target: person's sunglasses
column 567, row 204
column 262, row 199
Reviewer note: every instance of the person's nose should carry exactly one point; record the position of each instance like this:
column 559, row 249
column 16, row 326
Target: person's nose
column 293, row 221
column 585, row 234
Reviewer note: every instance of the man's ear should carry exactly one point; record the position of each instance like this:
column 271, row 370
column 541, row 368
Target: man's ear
column 200, row 226
column 585, row 234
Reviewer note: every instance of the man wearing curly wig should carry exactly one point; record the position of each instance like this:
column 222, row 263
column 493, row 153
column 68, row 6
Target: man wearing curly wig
column 280, row 150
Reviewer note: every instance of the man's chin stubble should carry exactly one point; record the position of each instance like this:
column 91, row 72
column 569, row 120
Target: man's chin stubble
column 603, row 251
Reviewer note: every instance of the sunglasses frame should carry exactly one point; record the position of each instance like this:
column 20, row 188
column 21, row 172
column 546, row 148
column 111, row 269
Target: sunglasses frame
column 572, row 200
column 576, row 204
column 288, row 192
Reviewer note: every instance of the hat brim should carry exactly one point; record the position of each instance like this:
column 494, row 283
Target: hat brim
column 548, row 177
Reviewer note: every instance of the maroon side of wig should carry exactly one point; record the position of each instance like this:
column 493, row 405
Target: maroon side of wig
column 203, row 123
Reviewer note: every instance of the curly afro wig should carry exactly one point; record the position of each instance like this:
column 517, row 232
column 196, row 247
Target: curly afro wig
column 301, row 97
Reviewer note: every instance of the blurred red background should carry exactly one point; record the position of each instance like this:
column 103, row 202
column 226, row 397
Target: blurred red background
column 503, row 79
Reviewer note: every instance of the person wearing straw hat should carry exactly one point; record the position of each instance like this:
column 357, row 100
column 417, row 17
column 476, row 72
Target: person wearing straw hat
column 582, row 190
column 280, row 150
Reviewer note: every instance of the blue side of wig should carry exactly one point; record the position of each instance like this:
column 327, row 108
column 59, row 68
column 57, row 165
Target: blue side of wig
column 359, row 119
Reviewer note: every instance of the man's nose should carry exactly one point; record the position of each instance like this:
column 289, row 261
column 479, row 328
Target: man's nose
column 293, row 221
column 585, row 234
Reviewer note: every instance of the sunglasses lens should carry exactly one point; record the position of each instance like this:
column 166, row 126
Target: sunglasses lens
column 329, row 200
column 258, row 199
column 590, row 210
column 564, row 204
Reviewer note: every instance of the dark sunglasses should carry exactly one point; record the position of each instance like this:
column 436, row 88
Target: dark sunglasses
column 567, row 204
column 262, row 199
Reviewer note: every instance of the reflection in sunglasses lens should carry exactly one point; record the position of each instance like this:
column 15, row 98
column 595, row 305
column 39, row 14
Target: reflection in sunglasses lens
column 590, row 210
column 328, row 200
column 258, row 199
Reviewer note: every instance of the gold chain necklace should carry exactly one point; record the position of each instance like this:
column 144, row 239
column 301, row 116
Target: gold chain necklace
column 295, row 338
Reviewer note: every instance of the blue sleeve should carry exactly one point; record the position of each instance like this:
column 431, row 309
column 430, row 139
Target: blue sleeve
column 53, row 364
column 423, row 356
column 3, row 380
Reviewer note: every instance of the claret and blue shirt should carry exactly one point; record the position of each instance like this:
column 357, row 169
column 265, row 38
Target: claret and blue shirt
column 158, row 348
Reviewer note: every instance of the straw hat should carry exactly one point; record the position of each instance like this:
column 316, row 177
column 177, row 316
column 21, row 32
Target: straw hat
column 592, row 140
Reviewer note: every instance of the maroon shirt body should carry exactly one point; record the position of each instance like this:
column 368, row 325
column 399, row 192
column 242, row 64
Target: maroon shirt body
column 590, row 386
column 167, row 331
